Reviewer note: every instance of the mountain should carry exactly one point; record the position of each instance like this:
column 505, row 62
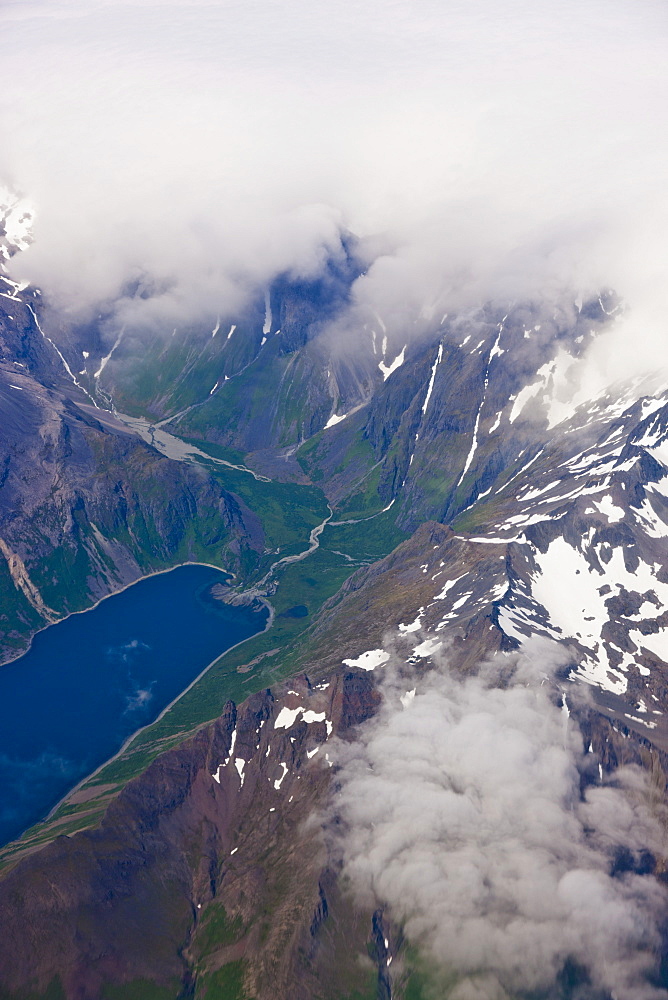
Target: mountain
column 185, row 843
column 422, row 496
column 87, row 501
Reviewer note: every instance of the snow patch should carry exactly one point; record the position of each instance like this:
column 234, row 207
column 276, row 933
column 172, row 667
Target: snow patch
column 267, row 314
column 427, row 648
column 430, row 386
column 103, row 362
column 414, row 626
column 370, row 660
column 279, row 781
column 286, row 717
column 397, row 363
column 334, row 420
column 312, row 716
column 606, row 506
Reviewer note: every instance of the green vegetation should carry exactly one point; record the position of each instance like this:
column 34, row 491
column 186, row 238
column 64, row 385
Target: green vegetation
column 215, row 931
column 417, row 979
column 287, row 511
column 141, row 989
column 270, row 390
column 370, row 994
column 491, row 510
column 54, row 991
column 226, row 983
column 170, row 374
column 310, row 583
column 67, row 562
column 194, row 531
column 473, row 520
column 352, row 461
column 18, row 618
column 368, row 539
column 365, row 500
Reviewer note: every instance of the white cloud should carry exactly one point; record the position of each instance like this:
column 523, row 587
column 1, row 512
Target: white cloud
column 462, row 810
column 496, row 149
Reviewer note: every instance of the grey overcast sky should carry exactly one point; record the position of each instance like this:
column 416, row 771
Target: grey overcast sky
column 484, row 150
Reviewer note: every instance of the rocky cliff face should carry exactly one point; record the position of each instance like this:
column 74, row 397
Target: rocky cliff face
column 522, row 517
column 211, row 874
column 85, row 500
column 568, row 542
column 465, row 403
column 208, row 866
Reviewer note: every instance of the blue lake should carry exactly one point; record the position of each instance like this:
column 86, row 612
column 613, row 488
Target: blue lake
column 90, row 681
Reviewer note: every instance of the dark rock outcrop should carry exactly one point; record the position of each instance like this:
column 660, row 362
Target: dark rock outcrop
column 212, row 833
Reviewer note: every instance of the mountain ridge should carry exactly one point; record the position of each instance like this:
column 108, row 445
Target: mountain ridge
column 557, row 530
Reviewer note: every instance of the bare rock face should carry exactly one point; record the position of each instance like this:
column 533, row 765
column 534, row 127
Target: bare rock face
column 204, row 864
column 84, row 500
column 208, row 874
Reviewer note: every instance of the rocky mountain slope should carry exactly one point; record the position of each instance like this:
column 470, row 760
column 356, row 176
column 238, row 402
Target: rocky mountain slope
column 451, row 506
column 212, row 874
column 174, row 887
column 87, row 501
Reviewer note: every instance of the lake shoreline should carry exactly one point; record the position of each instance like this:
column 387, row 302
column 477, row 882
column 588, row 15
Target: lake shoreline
column 114, row 593
column 155, row 645
column 270, row 621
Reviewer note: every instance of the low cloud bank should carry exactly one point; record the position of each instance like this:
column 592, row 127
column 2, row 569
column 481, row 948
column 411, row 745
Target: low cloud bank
column 180, row 155
column 463, row 811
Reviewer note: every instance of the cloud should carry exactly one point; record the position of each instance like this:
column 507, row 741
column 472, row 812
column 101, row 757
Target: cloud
column 127, row 651
column 139, row 699
column 463, row 811
column 197, row 149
